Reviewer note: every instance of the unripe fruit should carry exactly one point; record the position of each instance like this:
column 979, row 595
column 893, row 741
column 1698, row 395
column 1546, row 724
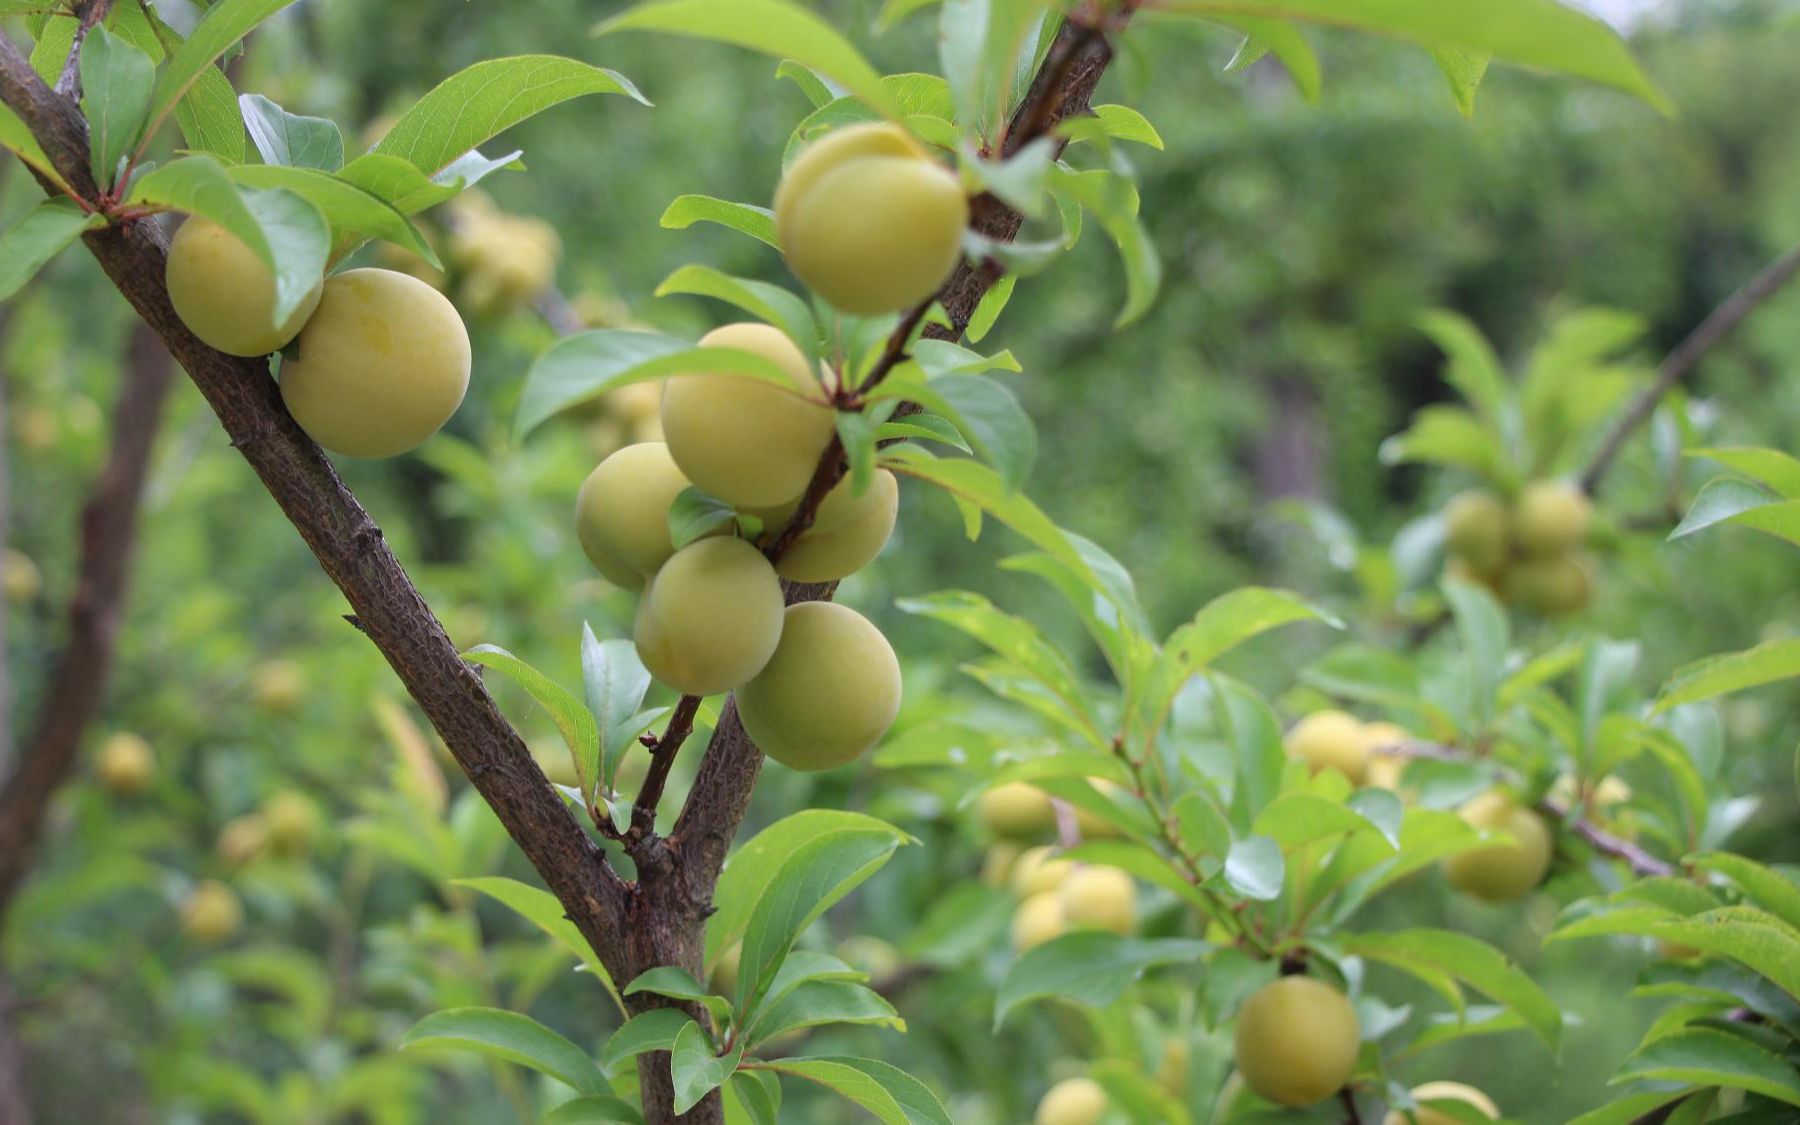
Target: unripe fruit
column 1038, row 871
column 1445, row 1092
column 1475, row 529
column 278, row 686
column 830, row 692
column 225, row 294
column 212, row 914
column 1038, row 920
column 869, row 220
column 1551, row 517
column 1016, row 809
column 622, row 513
column 126, row 764
column 293, row 822
column 1330, row 740
column 711, row 617
column 869, row 954
column 1099, row 898
column 1297, row 1040
column 1462, row 570
column 21, row 577
column 748, row 442
column 997, row 864
column 846, row 534
column 1172, row 1068
column 1550, row 586
column 1501, row 872
column 1385, row 764
column 383, row 365
column 243, row 839
column 1073, row 1101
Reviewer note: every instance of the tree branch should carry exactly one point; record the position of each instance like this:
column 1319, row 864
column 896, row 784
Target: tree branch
column 1676, row 366
column 1606, row 843
column 87, row 14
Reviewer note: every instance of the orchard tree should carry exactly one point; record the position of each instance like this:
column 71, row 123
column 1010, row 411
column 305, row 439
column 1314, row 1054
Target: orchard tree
column 1155, row 818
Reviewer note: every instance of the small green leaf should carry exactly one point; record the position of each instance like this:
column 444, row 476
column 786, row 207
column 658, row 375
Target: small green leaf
column 930, row 427
column 346, row 207
column 1117, row 122
column 1447, row 435
column 615, row 682
column 819, row 1002
column 766, row 302
column 1713, row 676
column 594, row 1109
column 1255, row 868
column 541, row 909
column 209, row 118
column 892, row 1095
column 116, row 83
column 696, row 514
column 1728, row 500
column 1706, row 1057
column 1272, row 36
column 39, row 235
column 654, row 1030
column 696, row 1069
column 1463, row 69
column 1474, row 369
column 572, row 719
column 758, row 1097
column 15, row 137
column 224, row 24
column 510, row 1036
column 396, row 182
column 289, row 139
column 1466, row 959
column 757, row 222
column 982, row 487
column 1088, row 967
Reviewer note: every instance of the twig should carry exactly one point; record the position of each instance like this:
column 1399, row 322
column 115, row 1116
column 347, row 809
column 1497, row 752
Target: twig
column 1606, row 843
column 662, row 759
column 1719, row 324
column 1352, row 1115
column 87, row 14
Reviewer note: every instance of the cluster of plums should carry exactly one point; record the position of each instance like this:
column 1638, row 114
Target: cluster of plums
column 378, row 360
column 1055, row 894
column 1529, row 552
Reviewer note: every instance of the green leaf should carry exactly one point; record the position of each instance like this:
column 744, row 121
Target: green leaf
column 1540, row 33
column 475, row 103
column 1772, row 467
column 1447, row 435
column 678, row 984
column 15, row 137
column 1713, row 676
column 116, row 83
column 993, row 303
column 1466, row 959
column 346, row 207
column 1140, row 861
column 819, row 1002
column 757, row 222
column 1474, row 370
column 224, row 24
column 979, row 485
column 1299, row 818
column 1464, row 70
column 818, row 91
column 1752, row 937
column 572, row 719
column 1731, row 501
column 397, row 182
column 1271, row 36
column 209, row 118
column 1713, row 1058
column 510, row 1036
column 579, row 367
column 989, row 415
column 982, row 46
column 615, row 682
column 39, row 235
column 696, row 1069
column 696, row 514
column 654, row 1030
column 595, row 1109
column 1114, row 201
column 1088, row 967
column 776, row 28
column 757, row 1094
column 930, row 427
column 289, row 139
column 892, row 1095
column 1764, row 886
column 541, row 909
column 1254, row 868
column 760, row 299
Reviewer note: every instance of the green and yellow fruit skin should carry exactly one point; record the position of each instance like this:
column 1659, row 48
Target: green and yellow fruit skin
column 711, row 617
column 1502, row 871
column 1444, row 1092
column 1384, row 767
column 225, row 294
column 846, row 534
column 212, row 914
column 243, row 839
column 1551, row 585
column 748, row 442
column 829, row 693
column 278, row 686
column 997, row 864
column 1073, row 1101
column 1297, row 1041
column 1330, row 740
column 1475, row 529
column 1097, row 826
column 1037, row 920
column 1099, row 898
column 1551, row 517
column 127, row 764
column 622, row 513
column 1016, row 810
column 383, row 364
column 293, row 821
column 869, row 220
column 1038, row 871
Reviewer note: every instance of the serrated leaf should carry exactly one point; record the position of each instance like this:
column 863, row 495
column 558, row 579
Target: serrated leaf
column 1703, row 1056
column 1088, row 967
column 224, row 24
column 572, row 719
column 39, row 235
column 1466, row 959
column 510, row 1036
column 116, row 84
column 1772, row 467
column 1764, row 886
column 346, row 207
column 930, row 427
column 892, row 1095
column 1713, row 676
column 290, row 139
column 757, row 222
column 209, row 119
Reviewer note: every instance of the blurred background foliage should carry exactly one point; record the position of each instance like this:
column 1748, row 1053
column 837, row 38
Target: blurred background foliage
column 1300, row 244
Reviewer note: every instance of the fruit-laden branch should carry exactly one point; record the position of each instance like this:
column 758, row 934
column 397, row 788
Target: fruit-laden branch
column 347, row 543
column 78, row 677
column 1677, row 365
column 1606, row 843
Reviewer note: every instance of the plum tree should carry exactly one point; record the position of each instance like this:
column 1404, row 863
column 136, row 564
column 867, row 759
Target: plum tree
column 1073, row 1101
column 1038, row 920
column 126, row 764
column 1296, row 1040
column 1444, row 1092
column 847, row 533
column 211, row 914
column 1551, row 517
column 1016, row 810
column 622, row 513
column 711, row 617
column 293, row 822
column 1476, row 529
column 869, row 220
column 225, row 294
column 1039, row 870
column 830, row 691
column 1330, row 740
column 278, row 686
column 748, row 442
column 383, row 364
column 1504, row 870
column 1099, row 898
column 1551, row 585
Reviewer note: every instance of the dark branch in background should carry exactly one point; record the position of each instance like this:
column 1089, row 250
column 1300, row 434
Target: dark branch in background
column 87, row 14
column 1676, row 366
column 108, row 530
column 1352, row 1115
column 1606, row 843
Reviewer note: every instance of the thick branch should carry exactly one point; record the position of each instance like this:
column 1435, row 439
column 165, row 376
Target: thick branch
column 1676, row 366
column 346, row 542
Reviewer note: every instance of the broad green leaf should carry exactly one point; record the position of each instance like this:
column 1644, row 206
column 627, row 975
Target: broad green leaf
column 116, row 83
column 757, row 222
column 594, row 1109
column 397, row 182
column 757, row 1098
column 39, row 235
column 1140, row 861
column 615, row 682
column 818, row 1002
column 978, row 485
column 1713, row 1058
column 1115, row 122
column 1254, row 868
column 345, row 206
column 480, row 101
column 1713, row 676
column 510, row 1036
column 541, row 909
column 654, row 1030
column 1299, row 818
column 1631, row 1108
column 1772, row 467
column 929, row 427
column 989, row 415
column 1731, row 501
column 760, row 299
column 1088, row 967
column 696, row 1068
column 777, row 28
column 892, row 1095
column 1473, row 368
column 1272, row 36
column 579, row 367
column 15, row 137
column 1447, row 435
column 1463, row 69
column 1764, row 886
column 1752, row 937
column 1466, row 959
column 209, row 118
column 804, row 965
column 572, row 719
column 289, row 139
column 224, row 24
